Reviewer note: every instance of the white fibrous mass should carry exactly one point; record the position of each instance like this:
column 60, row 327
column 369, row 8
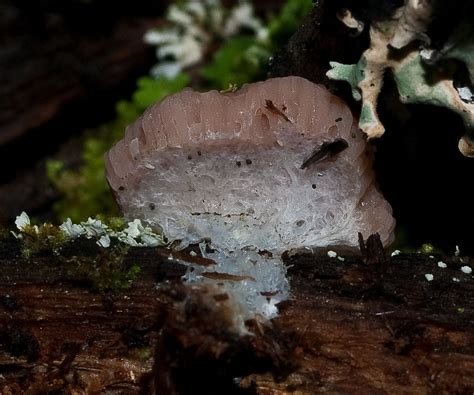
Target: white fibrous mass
column 275, row 166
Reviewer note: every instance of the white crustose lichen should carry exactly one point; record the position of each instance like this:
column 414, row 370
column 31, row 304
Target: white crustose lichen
column 466, row 269
column 442, row 265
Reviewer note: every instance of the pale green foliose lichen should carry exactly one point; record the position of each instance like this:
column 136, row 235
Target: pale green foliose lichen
column 412, row 70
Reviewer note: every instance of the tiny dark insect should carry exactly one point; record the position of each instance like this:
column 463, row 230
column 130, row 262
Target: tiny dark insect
column 271, row 107
column 326, row 150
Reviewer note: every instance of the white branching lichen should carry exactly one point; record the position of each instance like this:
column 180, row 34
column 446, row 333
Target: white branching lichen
column 138, row 235
column 194, row 26
column 70, row 229
column 22, row 221
column 135, row 234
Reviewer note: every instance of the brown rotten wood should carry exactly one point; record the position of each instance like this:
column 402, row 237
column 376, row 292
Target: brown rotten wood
column 371, row 325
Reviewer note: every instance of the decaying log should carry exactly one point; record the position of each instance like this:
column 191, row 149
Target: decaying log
column 350, row 327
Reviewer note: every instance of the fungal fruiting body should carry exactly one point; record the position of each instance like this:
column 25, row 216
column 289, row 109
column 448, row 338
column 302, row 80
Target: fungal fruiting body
column 277, row 165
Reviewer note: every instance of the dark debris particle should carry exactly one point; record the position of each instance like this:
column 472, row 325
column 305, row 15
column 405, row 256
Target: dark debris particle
column 272, row 108
column 209, row 249
column 108, row 303
column 73, row 350
column 9, row 302
column 372, row 249
column 338, row 119
column 170, row 271
column 199, row 153
column 238, row 163
column 221, row 297
column 265, row 253
column 19, row 343
column 152, row 206
column 190, row 157
column 373, row 255
column 248, row 161
column 135, row 335
column 313, row 186
column 121, row 188
column 268, row 294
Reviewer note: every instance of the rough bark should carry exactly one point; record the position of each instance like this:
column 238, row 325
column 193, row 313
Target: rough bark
column 369, row 324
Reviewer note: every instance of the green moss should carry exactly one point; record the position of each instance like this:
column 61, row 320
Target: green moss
column 245, row 59
column 282, row 27
column 239, row 61
column 78, row 258
column 427, row 248
column 105, row 271
column 144, row 354
column 43, row 239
